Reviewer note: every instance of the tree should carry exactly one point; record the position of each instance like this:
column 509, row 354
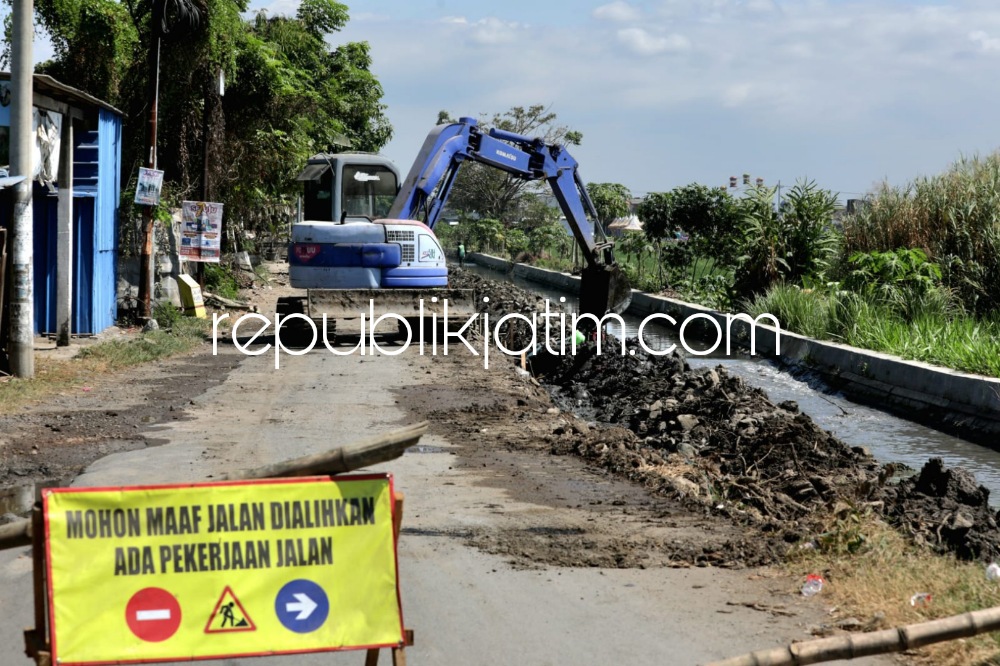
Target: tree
column 95, row 43
column 790, row 243
column 656, row 213
column 612, row 200
column 288, row 94
column 710, row 216
column 293, row 97
column 496, row 194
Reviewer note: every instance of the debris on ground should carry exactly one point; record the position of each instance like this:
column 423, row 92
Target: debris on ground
column 710, row 439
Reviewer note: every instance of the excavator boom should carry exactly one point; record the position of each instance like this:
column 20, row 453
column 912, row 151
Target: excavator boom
column 424, row 193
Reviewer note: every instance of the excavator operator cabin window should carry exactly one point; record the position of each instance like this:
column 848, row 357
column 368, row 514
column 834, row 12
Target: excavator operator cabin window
column 317, row 202
column 369, row 190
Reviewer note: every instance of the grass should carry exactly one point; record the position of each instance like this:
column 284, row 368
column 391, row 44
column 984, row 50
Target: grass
column 92, row 363
column 931, row 334
column 881, row 576
column 951, row 215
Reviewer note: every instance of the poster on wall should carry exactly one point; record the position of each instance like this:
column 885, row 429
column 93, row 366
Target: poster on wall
column 201, row 231
column 147, row 191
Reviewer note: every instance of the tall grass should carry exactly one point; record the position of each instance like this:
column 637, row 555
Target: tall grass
column 801, row 311
column 954, row 217
column 928, row 330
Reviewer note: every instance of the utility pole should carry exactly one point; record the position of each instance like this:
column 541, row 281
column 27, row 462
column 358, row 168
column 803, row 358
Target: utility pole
column 21, row 345
column 146, row 260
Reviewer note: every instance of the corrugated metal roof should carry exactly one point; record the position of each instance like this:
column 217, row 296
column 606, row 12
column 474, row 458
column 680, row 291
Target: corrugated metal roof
column 46, row 85
column 9, row 181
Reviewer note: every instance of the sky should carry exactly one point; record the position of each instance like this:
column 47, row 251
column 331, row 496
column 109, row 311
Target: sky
column 844, row 92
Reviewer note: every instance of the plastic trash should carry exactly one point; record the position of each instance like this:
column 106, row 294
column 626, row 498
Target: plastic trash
column 813, row 585
column 921, row 599
column 993, row 571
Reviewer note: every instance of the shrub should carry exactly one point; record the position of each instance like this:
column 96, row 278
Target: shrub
column 953, row 217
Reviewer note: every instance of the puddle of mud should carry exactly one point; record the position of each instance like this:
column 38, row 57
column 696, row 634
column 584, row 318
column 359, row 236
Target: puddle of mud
column 421, row 448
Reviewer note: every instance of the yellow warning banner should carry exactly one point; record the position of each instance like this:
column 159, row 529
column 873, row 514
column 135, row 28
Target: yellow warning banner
column 171, row 573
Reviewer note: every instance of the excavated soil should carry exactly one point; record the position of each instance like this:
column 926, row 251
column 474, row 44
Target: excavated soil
column 716, row 444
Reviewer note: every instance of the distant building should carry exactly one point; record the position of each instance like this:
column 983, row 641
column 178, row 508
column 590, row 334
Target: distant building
column 623, row 225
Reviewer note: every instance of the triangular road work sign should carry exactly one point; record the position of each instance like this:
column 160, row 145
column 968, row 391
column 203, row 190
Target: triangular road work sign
column 229, row 615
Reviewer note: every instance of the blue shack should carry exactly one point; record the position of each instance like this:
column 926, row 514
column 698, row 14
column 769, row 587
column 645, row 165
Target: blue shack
column 67, row 118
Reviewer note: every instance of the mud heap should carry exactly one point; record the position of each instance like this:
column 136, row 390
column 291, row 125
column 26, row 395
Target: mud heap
column 709, row 438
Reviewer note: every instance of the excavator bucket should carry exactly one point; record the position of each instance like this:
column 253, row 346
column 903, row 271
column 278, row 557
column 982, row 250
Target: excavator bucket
column 603, row 289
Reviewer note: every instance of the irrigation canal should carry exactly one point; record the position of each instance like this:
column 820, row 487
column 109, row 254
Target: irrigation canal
column 890, row 439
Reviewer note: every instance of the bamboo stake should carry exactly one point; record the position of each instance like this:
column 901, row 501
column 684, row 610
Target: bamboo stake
column 347, row 458
column 350, row 457
column 853, row 646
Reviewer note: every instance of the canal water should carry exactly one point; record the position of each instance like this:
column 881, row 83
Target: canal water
column 890, row 439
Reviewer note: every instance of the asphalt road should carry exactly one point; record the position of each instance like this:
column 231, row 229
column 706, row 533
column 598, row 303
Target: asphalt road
column 466, row 606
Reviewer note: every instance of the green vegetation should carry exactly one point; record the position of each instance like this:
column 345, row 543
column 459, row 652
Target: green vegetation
column 915, row 272
column 953, row 217
column 184, row 335
column 220, row 280
column 287, row 96
column 928, row 332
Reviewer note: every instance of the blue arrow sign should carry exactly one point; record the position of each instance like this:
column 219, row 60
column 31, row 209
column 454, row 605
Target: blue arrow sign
column 302, row 606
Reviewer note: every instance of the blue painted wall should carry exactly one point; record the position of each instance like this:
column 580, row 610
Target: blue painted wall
column 96, row 190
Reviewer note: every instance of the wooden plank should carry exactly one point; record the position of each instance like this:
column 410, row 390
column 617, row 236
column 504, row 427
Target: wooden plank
column 38, row 573
column 348, row 458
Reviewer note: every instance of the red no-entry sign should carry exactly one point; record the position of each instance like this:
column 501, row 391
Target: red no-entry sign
column 153, row 614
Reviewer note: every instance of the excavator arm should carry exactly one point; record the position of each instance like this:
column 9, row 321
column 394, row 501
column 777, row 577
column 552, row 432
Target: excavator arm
column 424, row 193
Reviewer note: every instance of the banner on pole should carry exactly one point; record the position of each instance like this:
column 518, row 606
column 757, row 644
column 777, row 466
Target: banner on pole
column 147, row 191
column 201, row 231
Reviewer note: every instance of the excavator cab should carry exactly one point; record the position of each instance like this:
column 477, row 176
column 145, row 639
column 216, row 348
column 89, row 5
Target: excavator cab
column 348, row 187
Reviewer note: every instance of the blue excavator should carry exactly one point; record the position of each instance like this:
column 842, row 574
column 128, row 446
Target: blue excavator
column 368, row 237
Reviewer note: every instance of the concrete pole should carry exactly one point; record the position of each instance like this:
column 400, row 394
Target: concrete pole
column 64, row 237
column 21, row 345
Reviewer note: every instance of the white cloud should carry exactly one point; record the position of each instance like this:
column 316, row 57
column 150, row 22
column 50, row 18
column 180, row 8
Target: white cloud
column 737, row 95
column 494, row 31
column 618, row 12
column 985, row 43
column 852, row 90
column 643, row 43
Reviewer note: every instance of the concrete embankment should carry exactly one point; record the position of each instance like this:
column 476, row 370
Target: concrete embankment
column 964, row 404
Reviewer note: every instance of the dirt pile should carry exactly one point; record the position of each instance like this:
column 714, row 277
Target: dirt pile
column 766, row 464
column 946, row 509
column 709, row 438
